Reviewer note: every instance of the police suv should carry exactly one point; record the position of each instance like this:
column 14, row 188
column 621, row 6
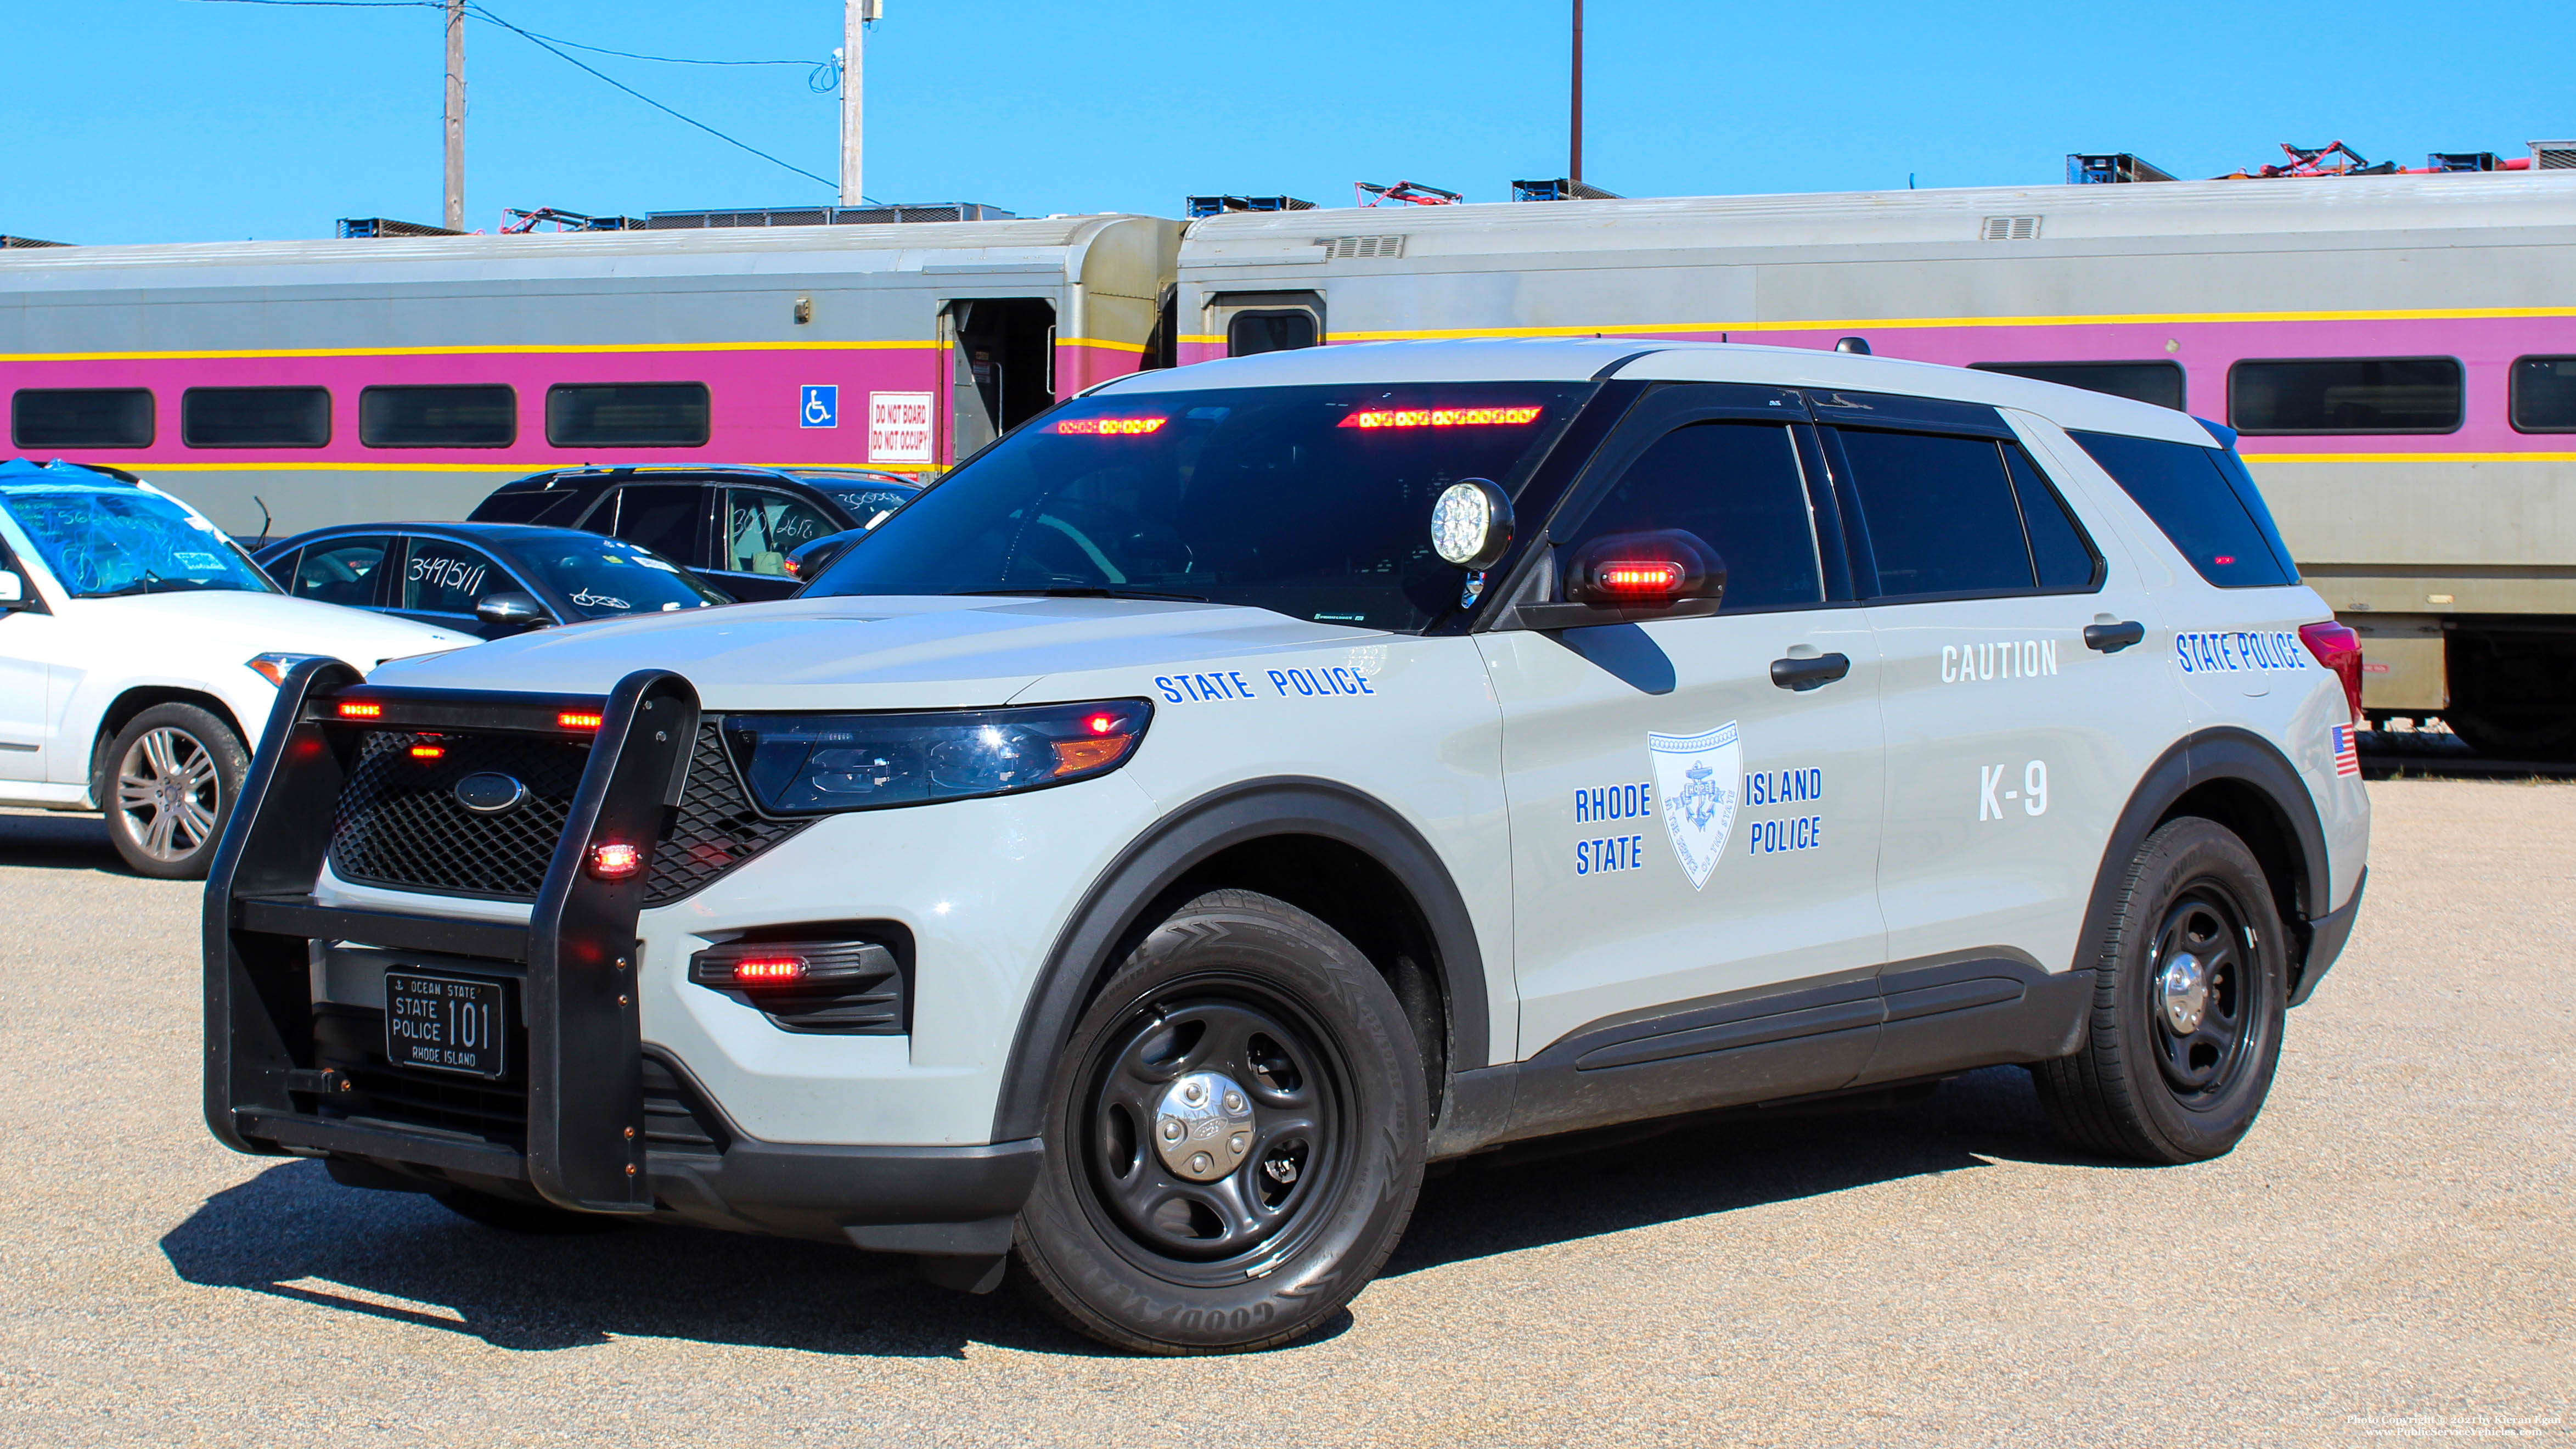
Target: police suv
column 1248, row 783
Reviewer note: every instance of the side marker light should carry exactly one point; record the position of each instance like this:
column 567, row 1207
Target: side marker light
column 769, row 970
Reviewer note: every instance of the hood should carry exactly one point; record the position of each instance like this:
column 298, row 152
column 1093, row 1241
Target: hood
column 231, row 627
column 868, row 653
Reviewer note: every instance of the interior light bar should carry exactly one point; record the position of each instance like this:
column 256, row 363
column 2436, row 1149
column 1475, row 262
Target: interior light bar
column 1441, row 417
column 574, row 719
column 1106, row 427
column 361, row 709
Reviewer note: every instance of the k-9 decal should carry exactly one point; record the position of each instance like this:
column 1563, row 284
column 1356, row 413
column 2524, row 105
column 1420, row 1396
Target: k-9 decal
column 2032, row 796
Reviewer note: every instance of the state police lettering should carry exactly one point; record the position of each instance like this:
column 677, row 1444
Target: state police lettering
column 2239, row 652
column 1334, row 682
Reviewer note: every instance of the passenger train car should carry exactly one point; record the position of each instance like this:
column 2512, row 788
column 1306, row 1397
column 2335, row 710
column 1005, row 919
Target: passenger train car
column 348, row 381
column 2397, row 353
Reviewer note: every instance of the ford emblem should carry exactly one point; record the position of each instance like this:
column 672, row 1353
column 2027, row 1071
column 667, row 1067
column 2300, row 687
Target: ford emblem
column 489, row 793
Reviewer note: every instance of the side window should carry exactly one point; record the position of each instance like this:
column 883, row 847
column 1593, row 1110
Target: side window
column 2148, row 382
column 81, row 417
column 2059, row 551
column 1737, row 486
column 763, row 527
column 2346, row 395
column 2544, row 394
column 340, row 571
column 2209, row 510
column 1252, row 333
column 255, row 417
column 449, row 578
column 661, row 516
column 1941, row 513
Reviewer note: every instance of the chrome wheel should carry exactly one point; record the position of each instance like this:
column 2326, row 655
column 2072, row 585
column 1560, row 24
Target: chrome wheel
column 170, row 793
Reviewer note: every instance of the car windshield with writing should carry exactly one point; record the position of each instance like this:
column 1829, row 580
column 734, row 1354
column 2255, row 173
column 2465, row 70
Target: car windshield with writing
column 607, row 578
column 104, row 541
column 1313, row 502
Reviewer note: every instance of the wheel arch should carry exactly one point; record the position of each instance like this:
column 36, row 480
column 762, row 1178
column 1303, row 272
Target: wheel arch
column 133, row 700
column 1341, row 855
column 2242, row 781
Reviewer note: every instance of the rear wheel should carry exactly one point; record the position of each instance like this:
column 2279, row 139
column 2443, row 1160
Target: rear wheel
column 1240, row 1120
column 172, row 775
column 2188, row 1000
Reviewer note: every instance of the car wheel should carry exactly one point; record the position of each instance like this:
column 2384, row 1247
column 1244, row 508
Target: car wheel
column 517, row 1215
column 1238, row 1125
column 172, row 774
column 2188, row 1000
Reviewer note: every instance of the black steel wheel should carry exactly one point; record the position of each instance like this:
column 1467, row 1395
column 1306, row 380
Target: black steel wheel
column 2189, row 992
column 1237, row 1136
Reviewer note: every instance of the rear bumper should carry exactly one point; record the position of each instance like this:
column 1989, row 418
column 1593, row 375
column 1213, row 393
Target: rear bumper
column 2326, row 937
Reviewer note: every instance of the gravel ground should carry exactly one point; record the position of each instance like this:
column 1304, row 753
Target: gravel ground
column 2389, row 1255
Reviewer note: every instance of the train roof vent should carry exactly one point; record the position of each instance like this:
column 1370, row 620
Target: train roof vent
column 2011, row 228
column 1348, row 248
column 2553, row 155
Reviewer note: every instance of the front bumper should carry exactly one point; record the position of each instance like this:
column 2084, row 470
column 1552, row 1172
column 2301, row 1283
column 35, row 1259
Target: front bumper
column 588, row 1120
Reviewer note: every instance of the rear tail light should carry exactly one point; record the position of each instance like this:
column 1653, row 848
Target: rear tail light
column 2339, row 649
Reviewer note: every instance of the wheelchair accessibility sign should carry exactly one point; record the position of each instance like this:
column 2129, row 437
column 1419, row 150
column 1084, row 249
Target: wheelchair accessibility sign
column 818, row 405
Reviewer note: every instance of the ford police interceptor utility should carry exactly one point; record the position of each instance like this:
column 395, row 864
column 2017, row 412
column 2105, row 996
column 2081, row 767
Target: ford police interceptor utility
column 1250, row 782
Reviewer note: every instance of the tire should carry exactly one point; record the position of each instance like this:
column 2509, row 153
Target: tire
column 168, row 782
column 1297, row 1163
column 529, row 1219
column 2164, row 1076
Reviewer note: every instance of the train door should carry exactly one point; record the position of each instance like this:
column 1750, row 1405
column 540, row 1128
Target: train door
column 1002, row 361
column 1256, row 322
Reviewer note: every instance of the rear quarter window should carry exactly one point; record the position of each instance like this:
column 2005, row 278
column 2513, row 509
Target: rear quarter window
column 2205, row 501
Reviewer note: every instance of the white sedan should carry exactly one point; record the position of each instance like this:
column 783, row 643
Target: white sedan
column 140, row 651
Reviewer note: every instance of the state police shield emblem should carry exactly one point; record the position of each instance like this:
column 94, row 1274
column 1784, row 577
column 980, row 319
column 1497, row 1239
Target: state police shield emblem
column 1701, row 780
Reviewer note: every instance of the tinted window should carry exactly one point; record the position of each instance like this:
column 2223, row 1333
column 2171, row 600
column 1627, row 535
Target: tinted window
column 2059, row 551
column 2205, row 502
column 438, row 417
column 1314, row 502
column 661, row 516
column 529, row 507
column 2148, row 382
column 628, row 415
column 1940, row 512
column 81, row 417
column 340, row 570
column 255, row 417
column 1256, row 332
column 867, row 503
column 609, row 577
column 2345, row 395
column 1735, row 485
column 764, row 526
column 2544, row 394
column 449, row 578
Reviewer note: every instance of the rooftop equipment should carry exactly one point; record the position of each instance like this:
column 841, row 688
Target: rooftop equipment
column 378, row 226
column 7, row 242
column 2115, row 167
column 552, row 219
column 2548, row 156
column 1407, row 193
column 825, row 215
column 1195, row 207
column 1563, row 188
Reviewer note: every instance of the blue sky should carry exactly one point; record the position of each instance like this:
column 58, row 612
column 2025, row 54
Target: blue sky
column 145, row 120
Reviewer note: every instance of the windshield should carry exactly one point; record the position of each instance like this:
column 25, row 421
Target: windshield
column 1314, row 502
column 609, row 577
column 102, row 542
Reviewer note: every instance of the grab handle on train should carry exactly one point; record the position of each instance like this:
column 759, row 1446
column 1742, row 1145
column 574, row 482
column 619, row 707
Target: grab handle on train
column 2112, row 638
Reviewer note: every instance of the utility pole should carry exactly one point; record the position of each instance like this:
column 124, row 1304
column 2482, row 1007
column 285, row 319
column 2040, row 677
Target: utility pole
column 855, row 15
column 455, row 115
column 1574, row 158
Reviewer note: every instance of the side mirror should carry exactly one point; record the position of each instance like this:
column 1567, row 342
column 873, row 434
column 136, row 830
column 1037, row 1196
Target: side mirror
column 13, row 590
column 1667, row 573
column 510, row 609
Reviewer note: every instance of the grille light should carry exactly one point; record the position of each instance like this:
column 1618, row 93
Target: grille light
column 428, row 752
column 616, row 860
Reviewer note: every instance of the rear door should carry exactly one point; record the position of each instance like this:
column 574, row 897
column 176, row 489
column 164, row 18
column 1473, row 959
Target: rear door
column 668, row 518
column 349, row 571
column 1687, row 834
column 762, row 527
column 442, row 582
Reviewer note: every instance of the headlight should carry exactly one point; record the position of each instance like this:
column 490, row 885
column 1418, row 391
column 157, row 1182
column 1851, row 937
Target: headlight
column 275, row 667
column 805, row 764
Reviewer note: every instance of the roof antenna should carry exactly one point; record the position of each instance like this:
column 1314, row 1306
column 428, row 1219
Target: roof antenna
column 263, row 517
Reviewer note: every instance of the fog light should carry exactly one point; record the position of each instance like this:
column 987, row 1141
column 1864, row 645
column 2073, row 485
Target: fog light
column 616, row 860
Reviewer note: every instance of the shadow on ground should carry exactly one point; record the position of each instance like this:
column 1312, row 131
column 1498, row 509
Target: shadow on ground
column 293, row 1233
column 62, row 842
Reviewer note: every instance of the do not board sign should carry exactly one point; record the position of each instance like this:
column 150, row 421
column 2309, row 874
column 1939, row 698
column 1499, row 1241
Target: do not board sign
column 899, row 427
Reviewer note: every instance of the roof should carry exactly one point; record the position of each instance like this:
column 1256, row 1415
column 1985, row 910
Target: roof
column 587, row 473
column 504, row 535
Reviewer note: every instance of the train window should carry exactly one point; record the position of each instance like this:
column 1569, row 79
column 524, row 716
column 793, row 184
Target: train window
column 2209, row 509
column 438, row 417
column 1252, row 333
column 2544, row 394
column 1941, row 513
column 255, row 417
column 2345, row 395
column 81, row 417
column 2147, row 382
column 627, row 415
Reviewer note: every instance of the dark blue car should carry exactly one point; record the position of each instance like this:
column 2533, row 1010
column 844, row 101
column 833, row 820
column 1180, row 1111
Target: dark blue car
column 488, row 579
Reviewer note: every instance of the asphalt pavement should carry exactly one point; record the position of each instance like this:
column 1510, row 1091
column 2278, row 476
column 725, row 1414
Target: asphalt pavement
column 2389, row 1256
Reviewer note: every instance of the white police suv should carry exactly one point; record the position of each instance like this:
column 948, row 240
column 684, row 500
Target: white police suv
column 1247, row 783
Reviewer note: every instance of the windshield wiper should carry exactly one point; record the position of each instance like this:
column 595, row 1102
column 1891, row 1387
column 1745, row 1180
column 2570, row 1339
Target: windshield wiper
column 142, row 585
column 1081, row 592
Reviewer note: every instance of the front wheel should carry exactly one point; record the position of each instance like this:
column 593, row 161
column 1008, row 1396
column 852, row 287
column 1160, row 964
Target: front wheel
column 172, row 775
column 2188, row 999
column 1237, row 1128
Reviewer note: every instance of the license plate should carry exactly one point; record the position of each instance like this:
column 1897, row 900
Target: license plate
column 444, row 1023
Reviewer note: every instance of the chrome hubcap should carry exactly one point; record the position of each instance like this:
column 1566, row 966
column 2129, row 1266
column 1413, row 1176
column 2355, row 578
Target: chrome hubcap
column 2184, row 989
column 169, row 793
column 1203, row 1126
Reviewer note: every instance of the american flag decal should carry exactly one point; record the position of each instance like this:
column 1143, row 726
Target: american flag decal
column 2347, row 751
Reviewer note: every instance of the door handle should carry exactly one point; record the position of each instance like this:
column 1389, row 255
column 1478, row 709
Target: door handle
column 2112, row 638
column 1806, row 674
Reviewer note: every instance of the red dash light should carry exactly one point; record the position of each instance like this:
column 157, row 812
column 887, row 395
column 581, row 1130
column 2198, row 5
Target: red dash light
column 2223, row 560
column 355, row 709
column 1652, row 576
column 1441, row 417
column 769, row 970
column 428, row 752
column 573, row 719
column 1107, row 427
column 1101, row 724
column 616, row 860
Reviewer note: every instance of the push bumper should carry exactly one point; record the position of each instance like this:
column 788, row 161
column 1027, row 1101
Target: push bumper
column 2326, row 937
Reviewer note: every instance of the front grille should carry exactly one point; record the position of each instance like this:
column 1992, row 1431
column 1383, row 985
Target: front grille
column 399, row 823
